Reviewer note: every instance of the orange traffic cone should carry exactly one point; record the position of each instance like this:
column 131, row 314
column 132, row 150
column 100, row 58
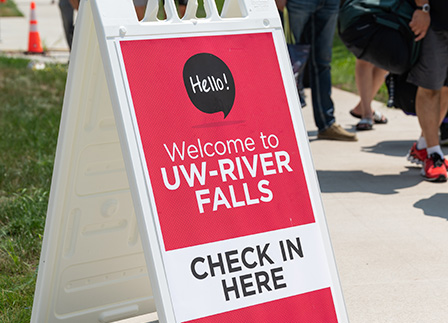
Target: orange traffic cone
column 34, row 45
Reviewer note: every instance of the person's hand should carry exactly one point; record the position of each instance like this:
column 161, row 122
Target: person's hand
column 75, row 4
column 420, row 24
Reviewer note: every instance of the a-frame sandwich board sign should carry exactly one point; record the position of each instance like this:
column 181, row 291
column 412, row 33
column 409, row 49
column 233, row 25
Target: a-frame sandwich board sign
column 183, row 179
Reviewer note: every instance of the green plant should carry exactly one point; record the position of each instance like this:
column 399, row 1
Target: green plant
column 9, row 9
column 29, row 118
column 29, row 121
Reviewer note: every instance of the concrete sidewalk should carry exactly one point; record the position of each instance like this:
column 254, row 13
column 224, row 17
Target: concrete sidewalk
column 14, row 31
column 388, row 227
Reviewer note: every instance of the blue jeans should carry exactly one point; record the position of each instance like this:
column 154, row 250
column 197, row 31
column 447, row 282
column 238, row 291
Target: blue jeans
column 314, row 22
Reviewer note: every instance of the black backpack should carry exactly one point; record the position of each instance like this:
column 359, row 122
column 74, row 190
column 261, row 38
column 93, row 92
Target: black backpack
column 402, row 94
column 378, row 31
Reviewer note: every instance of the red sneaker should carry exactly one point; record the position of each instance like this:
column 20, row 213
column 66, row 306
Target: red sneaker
column 434, row 169
column 417, row 156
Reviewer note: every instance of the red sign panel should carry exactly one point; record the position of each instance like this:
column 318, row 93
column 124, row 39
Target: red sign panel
column 315, row 307
column 218, row 137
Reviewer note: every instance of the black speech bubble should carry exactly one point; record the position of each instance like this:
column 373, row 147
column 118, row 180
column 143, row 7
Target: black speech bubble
column 209, row 83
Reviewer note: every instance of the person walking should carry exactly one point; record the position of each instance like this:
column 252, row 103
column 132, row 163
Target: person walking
column 315, row 22
column 67, row 8
column 430, row 74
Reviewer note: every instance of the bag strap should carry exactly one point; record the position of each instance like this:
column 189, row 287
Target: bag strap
column 287, row 28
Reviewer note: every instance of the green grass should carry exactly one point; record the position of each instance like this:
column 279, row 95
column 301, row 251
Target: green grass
column 29, row 121
column 343, row 66
column 9, row 9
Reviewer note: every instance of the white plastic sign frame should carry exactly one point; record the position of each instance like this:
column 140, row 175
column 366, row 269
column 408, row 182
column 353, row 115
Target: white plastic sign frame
column 199, row 121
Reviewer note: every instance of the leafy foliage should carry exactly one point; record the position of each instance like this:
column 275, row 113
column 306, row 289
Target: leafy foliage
column 9, row 9
column 29, row 121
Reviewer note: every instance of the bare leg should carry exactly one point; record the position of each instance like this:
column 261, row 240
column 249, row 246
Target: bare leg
column 369, row 79
column 364, row 83
column 428, row 113
column 378, row 79
column 443, row 112
column 181, row 9
column 443, row 103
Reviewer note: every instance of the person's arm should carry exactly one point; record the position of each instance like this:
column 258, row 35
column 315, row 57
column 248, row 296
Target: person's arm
column 420, row 19
column 281, row 4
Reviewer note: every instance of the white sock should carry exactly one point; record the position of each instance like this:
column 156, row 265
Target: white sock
column 435, row 149
column 421, row 143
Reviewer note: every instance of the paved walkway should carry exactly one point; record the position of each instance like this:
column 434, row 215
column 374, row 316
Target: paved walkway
column 14, row 31
column 388, row 227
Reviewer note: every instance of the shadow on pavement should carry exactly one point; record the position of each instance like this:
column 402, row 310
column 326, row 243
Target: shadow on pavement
column 396, row 148
column 312, row 135
column 359, row 181
column 436, row 205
